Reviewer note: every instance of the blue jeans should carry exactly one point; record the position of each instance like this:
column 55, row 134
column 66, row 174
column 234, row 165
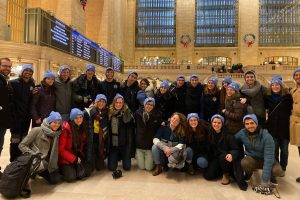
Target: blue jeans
column 283, row 146
column 159, row 156
column 189, row 154
column 202, row 162
column 115, row 153
column 2, row 134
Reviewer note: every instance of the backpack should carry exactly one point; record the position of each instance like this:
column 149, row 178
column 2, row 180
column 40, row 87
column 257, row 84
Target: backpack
column 16, row 176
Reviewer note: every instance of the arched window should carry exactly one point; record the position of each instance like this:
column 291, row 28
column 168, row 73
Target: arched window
column 279, row 23
column 214, row 61
column 155, row 23
column 283, row 60
column 216, row 23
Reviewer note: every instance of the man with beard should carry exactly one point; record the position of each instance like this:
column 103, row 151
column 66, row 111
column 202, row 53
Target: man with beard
column 129, row 91
column 254, row 92
column 109, row 87
column 295, row 117
column 6, row 92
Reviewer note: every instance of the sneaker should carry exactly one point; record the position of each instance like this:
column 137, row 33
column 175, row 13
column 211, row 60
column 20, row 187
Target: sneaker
column 273, row 180
column 225, row 179
column 298, row 179
column 190, row 169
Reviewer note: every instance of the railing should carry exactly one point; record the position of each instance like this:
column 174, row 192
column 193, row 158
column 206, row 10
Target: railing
column 152, row 67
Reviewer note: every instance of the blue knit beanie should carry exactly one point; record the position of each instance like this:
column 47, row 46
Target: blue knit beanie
column 217, row 116
column 62, row 68
column 276, row 80
column 109, row 69
column 227, row 80
column 27, row 66
column 189, row 116
column 296, row 70
column 149, row 99
column 278, row 77
column 99, row 97
column 214, row 80
column 90, row 67
column 164, row 84
column 235, row 86
column 180, row 76
column 54, row 116
column 74, row 113
column 132, row 72
column 118, row 96
column 250, row 116
column 49, row 74
column 194, row 76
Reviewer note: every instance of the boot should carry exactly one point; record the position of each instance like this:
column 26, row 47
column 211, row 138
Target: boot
column 190, row 169
column 225, row 179
column 157, row 170
column 298, row 179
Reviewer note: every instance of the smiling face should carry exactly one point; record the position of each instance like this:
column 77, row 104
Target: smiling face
column 143, row 85
column 55, row 125
column 27, row 74
column 297, row 78
column 49, row 81
column 101, row 104
column 250, row 125
column 210, row 85
column 5, row 67
column 119, row 102
column 250, row 79
column 193, row 122
column 65, row 74
column 174, row 121
column 149, row 106
column 194, row 81
column 180, row 82
column 217, row 124
column 78, row 120
column 131, row 79
column 275, row 87
column 230, row 91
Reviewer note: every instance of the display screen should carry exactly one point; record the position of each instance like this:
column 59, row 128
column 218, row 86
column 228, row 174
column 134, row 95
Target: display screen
column 105, row 58
column 60, row 35
column 116, row 63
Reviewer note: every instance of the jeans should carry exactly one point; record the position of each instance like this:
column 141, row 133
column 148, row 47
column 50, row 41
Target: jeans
column 283, row 146
column 144, row 159
column 189, row 154
column 159, row 156
column 202, row 162
column 115, row 153
column 2, row 134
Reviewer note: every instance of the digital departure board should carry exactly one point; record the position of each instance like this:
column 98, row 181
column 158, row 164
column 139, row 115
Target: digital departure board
column 60, row 35
column 105, row 57
column 116, row 63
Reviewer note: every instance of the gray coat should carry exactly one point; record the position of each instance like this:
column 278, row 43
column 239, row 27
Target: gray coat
column 38, row 141
column 63, row 91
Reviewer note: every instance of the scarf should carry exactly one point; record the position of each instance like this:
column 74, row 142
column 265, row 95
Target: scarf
column 53, row 159
column 251, row 92
column 146, row 117
column 115, row 127
column 276, row 96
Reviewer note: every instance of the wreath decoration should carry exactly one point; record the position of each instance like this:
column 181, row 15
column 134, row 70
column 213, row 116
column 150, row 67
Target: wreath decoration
column 249, row 39
column 185, row 39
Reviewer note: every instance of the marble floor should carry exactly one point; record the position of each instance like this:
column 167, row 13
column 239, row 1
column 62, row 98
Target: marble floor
column 139, row 184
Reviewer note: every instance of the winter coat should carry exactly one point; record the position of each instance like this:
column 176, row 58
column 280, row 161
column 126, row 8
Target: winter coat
column 38, row 141
column 295, row 118
column 194, row 99
column 178, row 98
column 82, row 88
column 164, row 105
column 63, row 91
column 222, row 98
column 278, row 123
column 5, row 103
column 42, row 103
column 211, row 104
column 146, row 131
column 21, row 104
column 130, row 93
column 66, row 148
column 109, row 89
column 260, row 147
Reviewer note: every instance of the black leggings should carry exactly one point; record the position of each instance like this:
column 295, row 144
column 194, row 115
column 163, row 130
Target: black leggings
column 217, row 167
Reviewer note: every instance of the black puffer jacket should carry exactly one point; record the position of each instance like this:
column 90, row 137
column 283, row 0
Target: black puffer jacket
column 129, row 93
column 5, row 103
column 110, row 89
column 194, row 99
column 178, row 98
column 164, row 105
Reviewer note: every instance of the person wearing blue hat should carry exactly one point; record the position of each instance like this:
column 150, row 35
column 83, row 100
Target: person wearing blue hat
column 225, row 82
column 44, row 140
column 99, row 123
column 85, row 88
column 129, row 90
column 141, row 94
column 234, row 110
column 254, row 92
column 20, row 101
column 120, row 134
column 147, row 120
column 259, row 150
column 225, row 156
column 197, row 143
column 63, row 91
column 110, row 86
column 75, row 147
column 211, row 98
column 43, row 100
column 178, row 92
column 294, row 119
column 194, row 96
column 163, row 100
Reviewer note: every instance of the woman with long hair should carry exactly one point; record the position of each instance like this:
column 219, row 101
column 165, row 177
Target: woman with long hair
column 120, row 134
column 211, row 98
column 169, row 145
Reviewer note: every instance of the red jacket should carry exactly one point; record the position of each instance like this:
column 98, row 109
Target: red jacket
column 66, row 155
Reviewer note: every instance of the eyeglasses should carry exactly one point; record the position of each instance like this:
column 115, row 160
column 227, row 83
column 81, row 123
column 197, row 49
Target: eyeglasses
column 7, row 66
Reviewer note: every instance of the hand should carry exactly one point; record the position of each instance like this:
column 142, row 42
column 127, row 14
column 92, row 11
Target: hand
column 224, row 110
column 38, row 121
column 78, row 160
column 243, row 100
column 167, row 151
column 85, row 99
column 35, row 90
column 228, row 157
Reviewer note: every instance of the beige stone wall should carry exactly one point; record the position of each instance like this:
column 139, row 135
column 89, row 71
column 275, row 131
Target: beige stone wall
column 3, row 25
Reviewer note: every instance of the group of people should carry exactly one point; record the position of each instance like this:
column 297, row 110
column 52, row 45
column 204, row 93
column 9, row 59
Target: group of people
column 226, row 132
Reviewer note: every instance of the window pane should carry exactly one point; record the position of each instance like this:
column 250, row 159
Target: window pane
column 279, row 23
column 216, row 23
column 155, row 23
